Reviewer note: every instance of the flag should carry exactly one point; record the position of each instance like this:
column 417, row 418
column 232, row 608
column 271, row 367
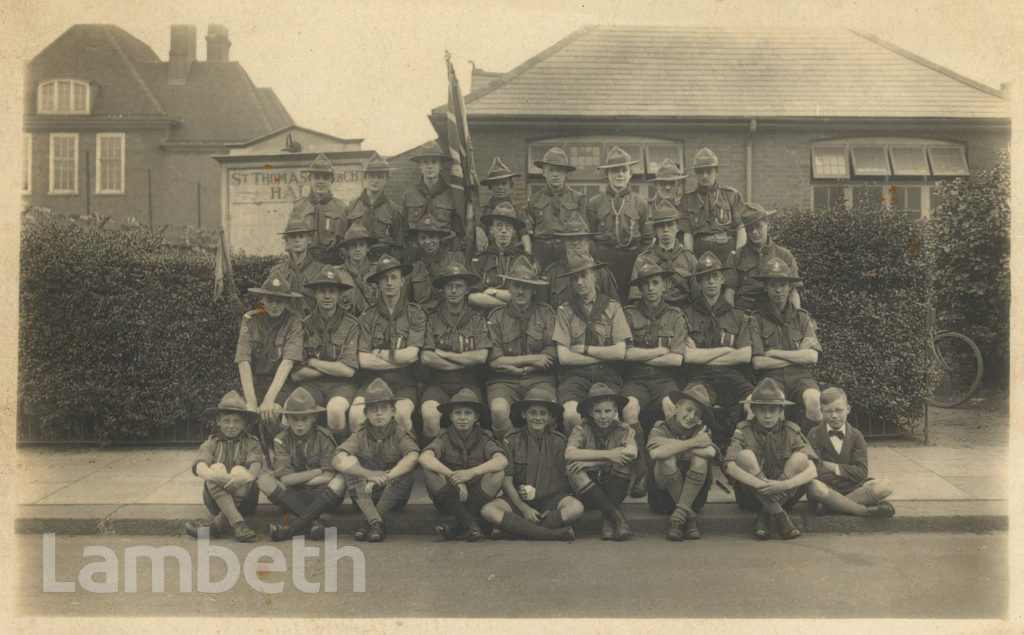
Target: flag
column 460, row 147
column 222, row 271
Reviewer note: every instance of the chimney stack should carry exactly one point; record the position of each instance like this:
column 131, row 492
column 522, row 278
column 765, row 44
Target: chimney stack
column 183, row 53
column 217, row 43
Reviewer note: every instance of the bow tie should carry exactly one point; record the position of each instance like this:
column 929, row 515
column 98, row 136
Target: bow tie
column 837, row 433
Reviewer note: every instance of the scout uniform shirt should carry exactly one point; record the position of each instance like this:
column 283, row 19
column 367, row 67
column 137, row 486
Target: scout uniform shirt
column 384, row 447
column 621, row 219
column 362, row 295
column 326, row 215
column 513, row 332
column 548, row 210
column 493, row 262
column 851, row 459
column 243, row 450
column 711, row 327
column 456, row 333
column 392, row 331
column 792, row 330
column 425, row 269
column 381, row 218
column 670, row 429
column 297, row 275
column 714, row 217
column 771, row 447
column 331, row 340
column 558, row 292
column 680, row 289
column 438, row 201
column 293, row 454
column 537, row 460
column 745, row 263
column 662, row 326
column 606, row 324
column 458, row 453
column 264, row 341
column 587, row 436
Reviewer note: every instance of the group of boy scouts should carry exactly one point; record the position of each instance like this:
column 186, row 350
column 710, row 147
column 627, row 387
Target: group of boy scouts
column 518, row 381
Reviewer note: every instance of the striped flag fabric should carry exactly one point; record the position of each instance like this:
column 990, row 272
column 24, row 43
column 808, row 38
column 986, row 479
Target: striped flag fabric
column 460, row 147
column 222, row 272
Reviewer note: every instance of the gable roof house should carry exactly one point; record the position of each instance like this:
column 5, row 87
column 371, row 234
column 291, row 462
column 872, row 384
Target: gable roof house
column 110, row 129
column 797, row 117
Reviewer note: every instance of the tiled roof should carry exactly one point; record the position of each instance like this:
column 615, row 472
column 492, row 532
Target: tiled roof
column 720, row 72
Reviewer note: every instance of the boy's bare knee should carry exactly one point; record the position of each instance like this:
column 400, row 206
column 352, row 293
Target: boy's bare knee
column 571, row 509
column 816, row 490
column 698, row 463
column 796, row 463
column 747, row 461
column 880, row 488
column 631, row 413
column 266, row 482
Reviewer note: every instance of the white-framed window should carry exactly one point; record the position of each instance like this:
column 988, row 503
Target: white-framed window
column 869, row 160
column 63, row 97
column 829, row 162
column 909, row 160
column 948, row 161
column 110, row 163
column 63, row 163
column 26, row 164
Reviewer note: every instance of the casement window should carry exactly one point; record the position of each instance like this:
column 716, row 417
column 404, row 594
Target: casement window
column 26, row 164
column 63, row 163
column 110, row 163
column 63, row 97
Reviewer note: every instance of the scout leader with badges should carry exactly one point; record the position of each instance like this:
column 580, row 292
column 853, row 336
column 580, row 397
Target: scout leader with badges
column 620, row 217
column 432, row 257
column 575, row 238
column 713, row 210
column 742, row 288
column 785, row 341
column 491, row 264
column 324, row 214
column 330, row 345
column 537, row 503
column 522, row 356
column 357, row 266
column 455, row 347
column 548, row 210
column 432, row 196
column 269, row 345
column 298, row 266
column 499, row 182
column 666, row 183
column 379, row 216
column 678, row 261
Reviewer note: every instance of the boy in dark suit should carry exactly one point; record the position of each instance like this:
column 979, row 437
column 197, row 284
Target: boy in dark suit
column 843, row 485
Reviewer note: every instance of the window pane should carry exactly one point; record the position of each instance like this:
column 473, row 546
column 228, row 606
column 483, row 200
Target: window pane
column 63, row 97
column 830, row 162
column 870, row 161
column 828, row 196
column 658, row 152
column 868, row 195
column 46, row 97
column 909, row 160
column 80, row 94
column 64, row 149
column 584, row 155
column 109, row 149
column 906, row 198
column 948, row 161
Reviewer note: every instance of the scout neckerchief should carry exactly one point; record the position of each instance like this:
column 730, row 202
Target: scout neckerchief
column 522, row 319
column 707, row 198
column 653, row 315
column 454, row 322
column 464, row 444
column 377, row 439
column 556, row 201
column 621, row 197
column 773, row 447
column 769, row 310
column 359, row 273
column 544, row 463
column 679, row 431
column 603, row 438
column 500, row 259
column 325, row 328
column 711, row 328
column 390, row 318
column 601, row 302
column 301, row 448
column 297, row 268
column 227, row 448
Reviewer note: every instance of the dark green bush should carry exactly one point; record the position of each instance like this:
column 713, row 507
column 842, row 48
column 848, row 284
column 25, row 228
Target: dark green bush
column 866, row 283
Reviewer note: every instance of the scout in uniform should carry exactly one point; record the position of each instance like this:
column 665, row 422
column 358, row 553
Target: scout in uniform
column 575, row 238
column 432, row 196
column 590, row 332
column 324, row 214
column 464, row 467
column 843, row 485
column 666, row 182
column 432, row 257
column 391, row 335
column 620, row 217
column 681, row 451
column 671, row 255
column 656, row 351
column 713, row 210
column 769, row 462
column 549, row 209
column 356, row 247
column 299, row 266
column 718, row 351
column 302, row 482
column 228, row 462
column 269, row 344
column 785, row 341
column 537, row 503
column 455, row 347
column 493, row 263
column 378, row 462
column 523, row 352
column 379, row 216
column 330, row 343
column 742, row 289
column 598, row 456
column 499, row 182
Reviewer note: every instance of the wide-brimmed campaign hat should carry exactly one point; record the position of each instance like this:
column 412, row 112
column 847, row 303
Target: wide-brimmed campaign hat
column 430, row 150
column 427, row 223
column 524, row 272
column 274, row 285
column 668, row 172
column 498, row 172
column 664, row 212
column 356, row 231
column 574, row 227
column 464, row 397
column 704, row 158
column 555, row 157
column 320, row 165
column 646, row 269
column 377, row 163
column 537, row 396
column 297, row 225
column 385, row 264
column 768, row 392
column 455, row 271
column 379, row 392
column 503, row 211
column 231, row 402
column 328, row 277
column 698, row 394
column 776, row 269
column 577, row 263
column 601, row 392
column 707, row 263
column 300, row 402
column 754, row 214
column 617, row 158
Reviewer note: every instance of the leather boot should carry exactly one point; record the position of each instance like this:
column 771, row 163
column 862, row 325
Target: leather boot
column 761, row 531
column 787, row 530
column 622, row 530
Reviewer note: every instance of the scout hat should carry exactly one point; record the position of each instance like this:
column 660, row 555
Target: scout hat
column 617, row 158
column 464, row 397
column 297, row 225
column 300, row 402
column 698, row 394
column 578, row 264
column 376, row 163
column 708, row 263
column 456, row 271
column 522, row 271
column 767, row 393
column 230, row 402
column 328, row 277
column 704, row 158
column 275, row 286
column 664, row 212
column 504, row 211
column 555, row 157
column 668, row 172
column 320, row 165
column 645, row 270
column 379, row 392
column 385, row 264
column 601, row 392
column 430, row 150
column 754, row 214
column 776, row 269
column 427, row 224
column 498, row 172
column 538, row 395
column 574, row 227
column 356, row 232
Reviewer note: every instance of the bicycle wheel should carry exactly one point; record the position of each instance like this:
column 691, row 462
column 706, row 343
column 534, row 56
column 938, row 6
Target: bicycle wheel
column 956, row 369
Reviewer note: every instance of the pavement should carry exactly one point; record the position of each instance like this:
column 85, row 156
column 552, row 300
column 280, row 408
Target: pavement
column 150, row 491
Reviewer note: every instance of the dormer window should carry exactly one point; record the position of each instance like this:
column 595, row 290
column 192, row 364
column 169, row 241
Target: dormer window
column 63, row 97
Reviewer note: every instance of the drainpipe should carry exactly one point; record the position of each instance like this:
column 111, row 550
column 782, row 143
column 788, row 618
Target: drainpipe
column 750, row 158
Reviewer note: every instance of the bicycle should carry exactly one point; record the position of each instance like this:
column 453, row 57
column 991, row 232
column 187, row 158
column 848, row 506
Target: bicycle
column 955, row 366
